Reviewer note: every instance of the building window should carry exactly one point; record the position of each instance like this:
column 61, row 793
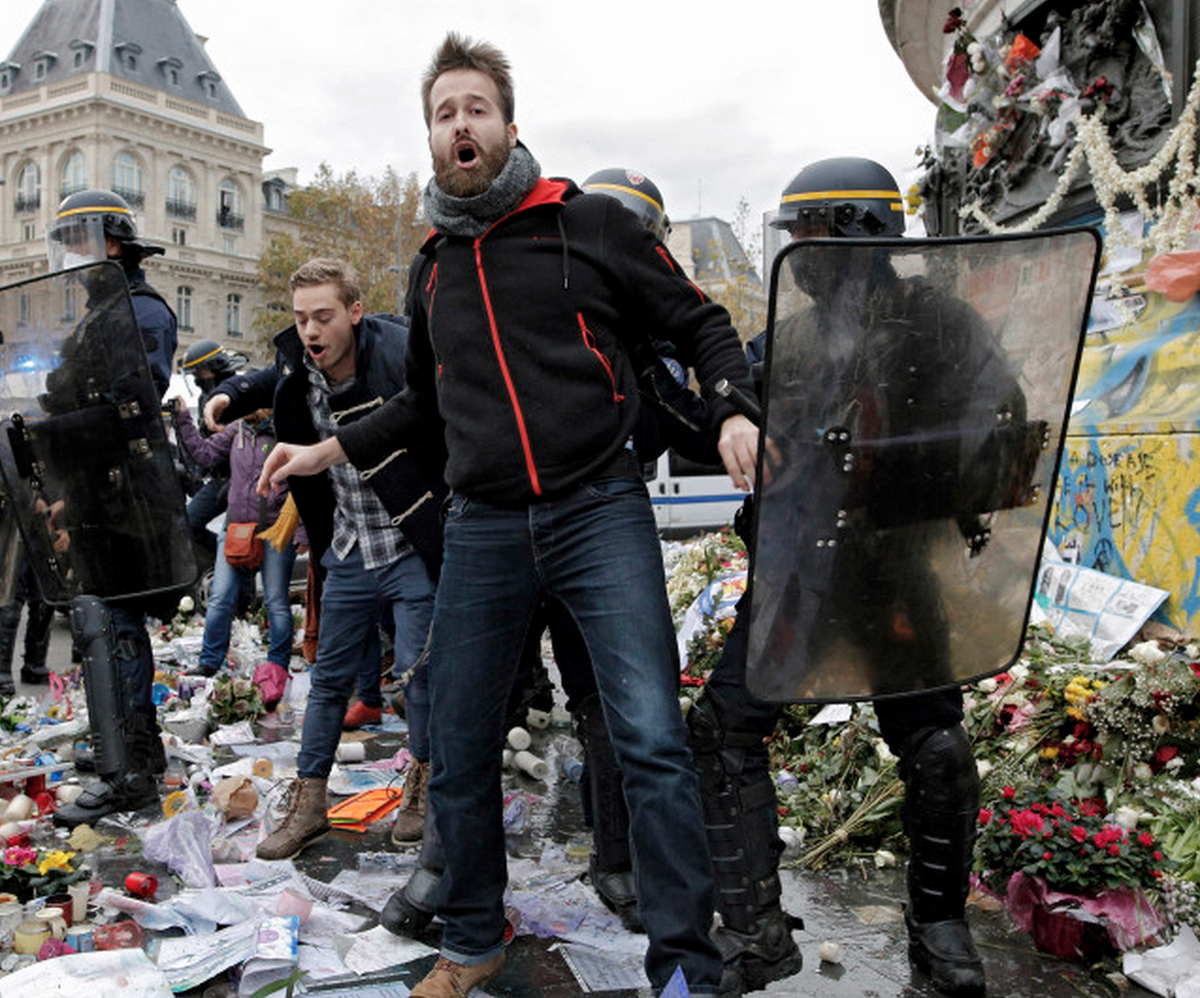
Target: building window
column 29, row 188
column 5, row 79
column 39, row 69
column 183, row 306
column 179, row 236
column 23, row 312
column 229, row 206
column 78, row 58
column 233, row 315
column 70, row 302
column 29, row 232
column 128, row 53
column 228, row 245
column 127, row 179
column 181, row 194
column 73, row 177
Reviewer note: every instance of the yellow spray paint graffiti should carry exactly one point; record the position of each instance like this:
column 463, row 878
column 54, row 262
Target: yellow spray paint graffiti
column 1128, row 500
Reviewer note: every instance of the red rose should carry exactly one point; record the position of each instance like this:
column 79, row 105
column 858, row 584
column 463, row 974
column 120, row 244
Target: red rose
column 985, row 816
column 1114, row 850
column 1157, row 855
column 1009, row 793
column 1146, row 839
column 1047, row 856
column 1079, row 833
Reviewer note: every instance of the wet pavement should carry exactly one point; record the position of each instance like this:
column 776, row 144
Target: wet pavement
column 857, row 908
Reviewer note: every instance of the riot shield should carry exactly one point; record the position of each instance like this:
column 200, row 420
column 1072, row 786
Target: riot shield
column 915, row 398
column 84, row 456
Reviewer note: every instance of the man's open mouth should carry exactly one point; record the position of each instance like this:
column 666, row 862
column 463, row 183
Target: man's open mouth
column 465, row 154
column 316, row 349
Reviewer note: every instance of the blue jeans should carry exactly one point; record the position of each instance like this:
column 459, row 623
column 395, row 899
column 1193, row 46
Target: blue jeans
column 276, row 571
column 349, row 634
column 596, row 550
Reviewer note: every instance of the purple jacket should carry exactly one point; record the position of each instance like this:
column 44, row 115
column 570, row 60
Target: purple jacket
column 246, row 451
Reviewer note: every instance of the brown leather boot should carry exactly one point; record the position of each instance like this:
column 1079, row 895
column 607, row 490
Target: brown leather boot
column 410, row 819
column 304, row 822
column 455, row 980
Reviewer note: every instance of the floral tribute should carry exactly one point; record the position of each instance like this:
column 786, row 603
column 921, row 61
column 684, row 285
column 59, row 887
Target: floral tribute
column 1005, row 93
column 30, row 872
column 1073, row 844
column 233, row 699
column 1090, row 773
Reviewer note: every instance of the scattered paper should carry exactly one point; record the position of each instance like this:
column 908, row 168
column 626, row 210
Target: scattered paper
column 117, row 973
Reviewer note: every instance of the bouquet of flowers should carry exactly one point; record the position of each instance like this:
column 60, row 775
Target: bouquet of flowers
column 1071, row 844
column 234, row 698
column 29, row 872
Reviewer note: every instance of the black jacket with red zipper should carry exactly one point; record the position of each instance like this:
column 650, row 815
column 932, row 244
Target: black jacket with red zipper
column 519, row 344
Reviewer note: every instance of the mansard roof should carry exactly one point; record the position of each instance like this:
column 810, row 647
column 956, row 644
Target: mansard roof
column 147, row 42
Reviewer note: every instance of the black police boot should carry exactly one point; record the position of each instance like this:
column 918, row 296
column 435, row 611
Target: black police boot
column 409, row 910
column 610, row 866
column 740, row 817
column 941, row 807
column 37, row 643
column 123, row 738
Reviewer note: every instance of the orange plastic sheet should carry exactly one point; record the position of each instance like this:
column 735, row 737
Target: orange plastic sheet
column 356, row 813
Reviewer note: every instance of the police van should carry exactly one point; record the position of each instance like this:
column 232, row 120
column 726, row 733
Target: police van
column 688, row 497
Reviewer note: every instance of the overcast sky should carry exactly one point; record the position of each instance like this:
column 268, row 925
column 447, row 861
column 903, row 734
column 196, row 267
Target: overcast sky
column 714, row 102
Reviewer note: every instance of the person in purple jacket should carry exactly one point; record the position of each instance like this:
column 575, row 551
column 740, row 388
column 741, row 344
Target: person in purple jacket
column 245, row 445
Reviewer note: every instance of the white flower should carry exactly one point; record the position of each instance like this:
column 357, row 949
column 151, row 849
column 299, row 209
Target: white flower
column 884, row 858
column 186, row 604
column 1192, row 651
column 1018, row 672
column 982, row 767
column 1160, row 724
column 987, row 685
column 1172, row 765
column 1143, row 772
column 1147, row 652
column 882, row 750
column 1127, row 817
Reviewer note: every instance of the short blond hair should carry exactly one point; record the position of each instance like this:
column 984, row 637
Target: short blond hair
column 325, row 270
column 459, row 52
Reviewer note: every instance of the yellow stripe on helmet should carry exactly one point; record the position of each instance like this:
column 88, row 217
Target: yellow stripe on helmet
column 94, row 210
column 201, row 360
column 630, row 190
column 842, row 195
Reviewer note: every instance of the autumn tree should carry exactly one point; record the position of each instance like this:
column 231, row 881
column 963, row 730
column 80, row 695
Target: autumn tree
column 372, row 222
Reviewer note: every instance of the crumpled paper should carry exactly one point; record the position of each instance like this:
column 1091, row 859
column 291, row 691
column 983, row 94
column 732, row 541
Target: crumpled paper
column 1172, row 971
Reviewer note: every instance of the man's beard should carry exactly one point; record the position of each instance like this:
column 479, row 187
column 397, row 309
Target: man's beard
column 461, row 183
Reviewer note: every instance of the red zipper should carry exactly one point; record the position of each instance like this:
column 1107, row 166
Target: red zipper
column 589, row 341
column 530, row 466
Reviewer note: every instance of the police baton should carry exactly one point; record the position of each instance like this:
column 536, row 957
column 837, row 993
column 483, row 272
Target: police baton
column 742, row 402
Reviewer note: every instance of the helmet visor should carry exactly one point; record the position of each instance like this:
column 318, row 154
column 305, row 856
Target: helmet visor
column 75, row 240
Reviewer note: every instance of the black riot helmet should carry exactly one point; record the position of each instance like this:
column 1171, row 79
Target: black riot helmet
column 845, row 196
column 209, row 357
column 81, row 224
column 635, row 191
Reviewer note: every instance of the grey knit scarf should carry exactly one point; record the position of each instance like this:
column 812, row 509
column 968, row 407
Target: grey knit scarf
column 471, row 216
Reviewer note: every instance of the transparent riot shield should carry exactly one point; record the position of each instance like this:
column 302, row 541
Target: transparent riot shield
column 88, row 475
column 915, row 398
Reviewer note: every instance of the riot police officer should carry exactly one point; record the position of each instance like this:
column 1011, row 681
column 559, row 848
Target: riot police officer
column 839, row 198
column 92, row 226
